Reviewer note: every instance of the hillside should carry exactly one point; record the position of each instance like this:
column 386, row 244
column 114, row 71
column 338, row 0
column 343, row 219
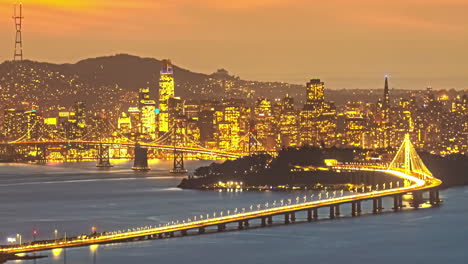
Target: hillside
column 111, row 83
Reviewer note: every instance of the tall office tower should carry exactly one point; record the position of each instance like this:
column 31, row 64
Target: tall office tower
column 147, row 113
column 166, row 91
column 313, row 109
column 264, row 123
column 315, row 95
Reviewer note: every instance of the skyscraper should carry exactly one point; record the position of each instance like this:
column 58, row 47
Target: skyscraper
column 314, row 95
column 166, row 91
column 147, row 113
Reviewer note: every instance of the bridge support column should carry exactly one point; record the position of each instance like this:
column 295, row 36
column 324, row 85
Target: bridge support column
column 332, row 211
column 246, row 223
column 263, row 221
column 358, row 207
column 375, row 206
column 353, row 209
column 337, row 210
column 379, row 203
column 293, row 217
column 183, row 232
column 309, row 215
column 397, row 202
column 170, row 234
column 270, row 220
column 201, row 230
column 221, row 227
column 434, row 197
column 241, row 225
column 160, row 236
column 286, row 218
column 315, row 213
column 417, row 199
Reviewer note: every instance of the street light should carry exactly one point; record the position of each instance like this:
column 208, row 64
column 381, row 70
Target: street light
column 55, row 233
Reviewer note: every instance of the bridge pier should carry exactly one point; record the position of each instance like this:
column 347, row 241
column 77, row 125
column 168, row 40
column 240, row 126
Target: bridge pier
column 434, row 197
column 379, row 203
column 293, row 217
column 160, row 236
column 221, row 227
column 246, row 223
column 417, row 199
column 309, row 215
column 270, row 220
column 183, row 232
column 263, row 221
column 141, row 159
column 397, row 202
column 241, row 225
column 315, row 213
column 201, row 230
column 337, row 210
column 353, row 209
column 286, row 218
column 375, row 206
column 332, row 211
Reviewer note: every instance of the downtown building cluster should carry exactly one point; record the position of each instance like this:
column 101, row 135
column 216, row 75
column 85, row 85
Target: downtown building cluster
column 243, row 123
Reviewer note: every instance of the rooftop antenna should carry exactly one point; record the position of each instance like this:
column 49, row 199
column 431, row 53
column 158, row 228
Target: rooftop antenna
column 18, row 17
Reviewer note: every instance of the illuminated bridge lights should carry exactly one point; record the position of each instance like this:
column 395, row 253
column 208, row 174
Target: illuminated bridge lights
column 417, row 181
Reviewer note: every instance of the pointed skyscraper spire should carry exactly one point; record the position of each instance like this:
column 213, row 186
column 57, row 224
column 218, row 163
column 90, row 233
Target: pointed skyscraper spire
column 386, row 101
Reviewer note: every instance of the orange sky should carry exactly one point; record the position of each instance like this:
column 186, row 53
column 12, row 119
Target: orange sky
column 348, row 43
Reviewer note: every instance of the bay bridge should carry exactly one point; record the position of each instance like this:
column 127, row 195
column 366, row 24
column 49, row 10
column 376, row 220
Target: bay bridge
column 410, row 174
column 34, row 148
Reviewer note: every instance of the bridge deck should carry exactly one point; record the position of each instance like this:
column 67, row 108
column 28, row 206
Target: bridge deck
column 416, row 184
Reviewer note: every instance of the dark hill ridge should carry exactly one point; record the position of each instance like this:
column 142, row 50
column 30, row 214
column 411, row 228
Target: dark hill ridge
column 112, row 82
column 127, row 71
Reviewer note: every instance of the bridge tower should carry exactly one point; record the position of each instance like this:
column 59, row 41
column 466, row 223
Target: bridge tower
column 103, row 158
column 178, row 136
column 41, row 153
column 407, row 158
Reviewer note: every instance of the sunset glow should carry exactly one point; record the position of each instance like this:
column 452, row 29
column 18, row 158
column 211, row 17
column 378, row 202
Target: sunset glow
column 259, row 30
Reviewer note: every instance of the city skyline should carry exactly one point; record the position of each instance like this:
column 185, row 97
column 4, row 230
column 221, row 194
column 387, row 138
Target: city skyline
column 352, row 46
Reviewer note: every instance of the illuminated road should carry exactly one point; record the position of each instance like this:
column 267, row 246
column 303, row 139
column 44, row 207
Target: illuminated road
column 416, row 182
column 199, row 150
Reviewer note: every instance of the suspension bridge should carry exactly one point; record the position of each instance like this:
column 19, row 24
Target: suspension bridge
column 407, row 168
column 37, row 148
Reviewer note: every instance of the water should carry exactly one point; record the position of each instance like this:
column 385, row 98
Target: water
column 75, row 197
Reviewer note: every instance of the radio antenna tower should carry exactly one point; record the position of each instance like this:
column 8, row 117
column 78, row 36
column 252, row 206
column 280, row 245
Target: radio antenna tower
column 18, row 17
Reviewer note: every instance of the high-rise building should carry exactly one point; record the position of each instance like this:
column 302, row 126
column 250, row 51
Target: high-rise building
column 166, row 91
column 14, row 123
column 315, row 95
column 147, row 113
